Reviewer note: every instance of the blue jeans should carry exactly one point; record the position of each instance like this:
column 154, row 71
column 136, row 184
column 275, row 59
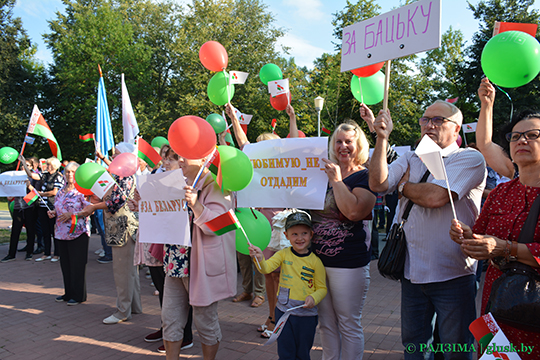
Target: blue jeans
column 454, row 305
column 101, row 231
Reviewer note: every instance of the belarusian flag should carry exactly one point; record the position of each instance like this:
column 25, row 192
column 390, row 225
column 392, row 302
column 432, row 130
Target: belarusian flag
column 87, row 137
column 102, row 185
column 214, row 165
column 147, row 153
column 38, row 126
column 274, row 123
column 326, row 131
column 31, row 197
column 484, row 329
column 224, row 223
column 74, row 219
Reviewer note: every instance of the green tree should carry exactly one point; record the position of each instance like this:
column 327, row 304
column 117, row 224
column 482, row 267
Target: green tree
column 470, row 70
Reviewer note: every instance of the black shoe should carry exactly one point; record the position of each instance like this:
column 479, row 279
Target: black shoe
column 39, row 250
column 104, row 260
column 23, row 249
column 60, row 299
column 72, row 302
column 28, row 257
column 8, row 259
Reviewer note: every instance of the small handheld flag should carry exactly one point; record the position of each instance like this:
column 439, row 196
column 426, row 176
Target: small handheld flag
column 281, row 324
column 469, row 128
column 31, row 197
column 484, row 329
column 237, row 77
column 326, row 131
column 224, row 223
column 274, row 123
column 87, row 137
column 38, row 126
column 102, row 185
column 29, row 140
column 74, row 219
column 453, row 100
column 278, row 87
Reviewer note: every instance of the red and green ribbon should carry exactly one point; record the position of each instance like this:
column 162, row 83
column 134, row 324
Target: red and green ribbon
column 74, row 219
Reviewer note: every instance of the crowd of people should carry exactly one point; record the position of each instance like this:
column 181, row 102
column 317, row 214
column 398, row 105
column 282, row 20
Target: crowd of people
column 323, row 278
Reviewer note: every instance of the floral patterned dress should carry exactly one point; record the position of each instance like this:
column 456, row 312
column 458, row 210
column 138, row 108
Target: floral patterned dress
column 70, row 201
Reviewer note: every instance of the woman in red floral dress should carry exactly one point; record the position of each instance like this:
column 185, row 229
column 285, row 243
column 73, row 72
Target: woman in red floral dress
column 503, row 216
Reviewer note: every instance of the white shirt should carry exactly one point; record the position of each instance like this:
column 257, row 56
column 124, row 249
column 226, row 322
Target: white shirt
column 432, row 256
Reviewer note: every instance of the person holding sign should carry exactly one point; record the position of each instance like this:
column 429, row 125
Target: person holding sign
column 438, row 277
column 342, row 241
column 212, row 267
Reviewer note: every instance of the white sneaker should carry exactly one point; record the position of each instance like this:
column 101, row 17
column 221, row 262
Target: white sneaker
column 98, row 251
column 112, row 320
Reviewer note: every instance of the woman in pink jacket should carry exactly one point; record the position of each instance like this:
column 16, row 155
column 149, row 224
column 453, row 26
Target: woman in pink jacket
column 212, row 268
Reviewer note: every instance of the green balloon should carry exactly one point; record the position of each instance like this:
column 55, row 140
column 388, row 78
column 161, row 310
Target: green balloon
column 511, row 59
column 372, row 90
column 229, row 139
column 270, row 72
column 217, row 122
column 257, row 228
column 236, row 168
column 8, row 155
column 217, row 89
column 87, row 174
column 159, row 141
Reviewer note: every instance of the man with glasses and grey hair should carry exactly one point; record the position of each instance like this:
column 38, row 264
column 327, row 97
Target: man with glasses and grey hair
column 439, row 279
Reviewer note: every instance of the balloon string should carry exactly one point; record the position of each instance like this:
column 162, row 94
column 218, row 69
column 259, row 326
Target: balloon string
column 509, row 98
column 361, row 93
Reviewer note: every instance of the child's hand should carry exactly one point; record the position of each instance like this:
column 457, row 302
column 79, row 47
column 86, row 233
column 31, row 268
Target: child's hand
column 254, row 251
column 310, row 303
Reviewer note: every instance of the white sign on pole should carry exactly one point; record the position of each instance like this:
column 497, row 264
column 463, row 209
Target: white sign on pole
column 161, row 217
column 408, row 30
column 288, row 173
column 13, row 183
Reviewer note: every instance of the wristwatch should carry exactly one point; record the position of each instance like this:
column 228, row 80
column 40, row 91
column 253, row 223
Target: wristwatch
column 400, row 188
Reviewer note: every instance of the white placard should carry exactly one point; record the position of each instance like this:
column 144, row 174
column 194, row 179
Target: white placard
column 288, row 173
column 161, row 218
column 408, row 30
column 13, row 183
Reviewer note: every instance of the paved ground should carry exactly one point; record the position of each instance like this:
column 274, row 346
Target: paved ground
column 34, row 326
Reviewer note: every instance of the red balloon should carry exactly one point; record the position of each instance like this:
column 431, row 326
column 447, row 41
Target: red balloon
column 192, row 137
column 213, row 56
column 367, row 71
column 83, row 191
column 280, row 102
column 300, row 134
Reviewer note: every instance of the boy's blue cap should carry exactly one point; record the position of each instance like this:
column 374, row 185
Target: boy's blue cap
column 297, row 218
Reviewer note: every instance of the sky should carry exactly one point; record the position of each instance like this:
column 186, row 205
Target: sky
column 308, row 23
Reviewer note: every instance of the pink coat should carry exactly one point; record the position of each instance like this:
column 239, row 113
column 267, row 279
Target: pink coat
column 212, row 275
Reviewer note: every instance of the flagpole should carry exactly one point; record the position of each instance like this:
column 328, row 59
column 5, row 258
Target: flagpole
column 361, row 92
column 227, row 81
column 386, row 85
column 22, row 151
column 449, row 191
column 250, row 244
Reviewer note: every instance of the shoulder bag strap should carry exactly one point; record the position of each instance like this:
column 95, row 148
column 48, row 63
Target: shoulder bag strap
column 410, row 203
column 527, row 231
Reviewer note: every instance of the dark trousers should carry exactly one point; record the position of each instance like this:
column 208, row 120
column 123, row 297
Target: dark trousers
column 296, row 338
column 73, row 259
column 25, row 217
column 158, row 278
column 47, row 227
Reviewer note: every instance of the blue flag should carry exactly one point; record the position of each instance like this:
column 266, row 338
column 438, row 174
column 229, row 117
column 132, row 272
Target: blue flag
column 104, row 135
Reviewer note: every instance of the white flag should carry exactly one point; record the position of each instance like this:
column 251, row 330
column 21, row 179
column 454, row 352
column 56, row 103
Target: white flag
column 430, row 154
column 469, row 128
column 281, row 324
column 244, row 119
column 102, row 185
column 278, row 87
column 131, row 129
column 237, row 77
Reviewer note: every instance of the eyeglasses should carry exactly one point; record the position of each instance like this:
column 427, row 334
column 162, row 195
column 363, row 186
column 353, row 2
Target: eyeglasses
column 527, row 135
column 436, row 120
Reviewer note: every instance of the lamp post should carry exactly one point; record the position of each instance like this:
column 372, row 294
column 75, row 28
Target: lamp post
column 319, row 102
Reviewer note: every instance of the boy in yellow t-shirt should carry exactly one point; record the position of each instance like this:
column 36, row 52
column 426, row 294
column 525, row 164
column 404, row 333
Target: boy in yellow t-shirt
column 302, row 280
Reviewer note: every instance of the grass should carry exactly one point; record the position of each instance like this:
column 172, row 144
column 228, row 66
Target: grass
column 3, row 204
column 4, row 236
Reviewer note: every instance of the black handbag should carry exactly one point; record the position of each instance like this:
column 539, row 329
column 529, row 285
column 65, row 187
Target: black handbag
column 515, row 296
column 392, row 259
